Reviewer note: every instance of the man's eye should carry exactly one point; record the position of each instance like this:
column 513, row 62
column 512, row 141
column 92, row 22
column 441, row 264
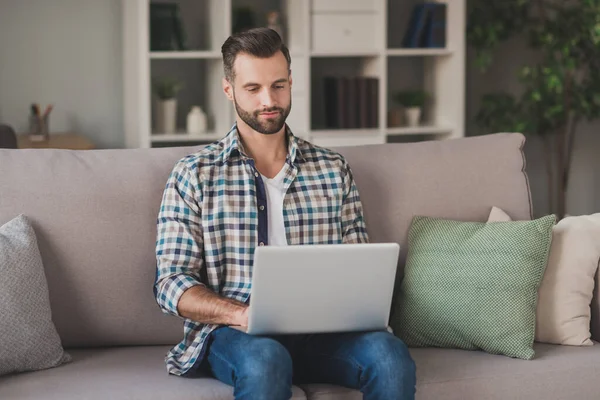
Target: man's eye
column 279, row 87
column 252, row 89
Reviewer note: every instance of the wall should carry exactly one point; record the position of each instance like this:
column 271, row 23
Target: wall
column 69, row 52
column 584, row 191
column 65, row 52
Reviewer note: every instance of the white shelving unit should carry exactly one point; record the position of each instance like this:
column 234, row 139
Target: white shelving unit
column 325, row 37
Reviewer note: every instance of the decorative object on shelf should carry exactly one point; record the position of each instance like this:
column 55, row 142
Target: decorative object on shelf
column 559, row 89
column 274, row 22
column 196, row 121
column 166, row 90
column 166, row 28
column 427, row 26
column 243, row 19
column 413, row 102
column 38, row 123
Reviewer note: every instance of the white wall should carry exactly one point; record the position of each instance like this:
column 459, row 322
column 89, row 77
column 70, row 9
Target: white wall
column 65, row 52
column 584, row 187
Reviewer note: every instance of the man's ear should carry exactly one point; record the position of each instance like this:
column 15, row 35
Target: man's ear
column 228, row 89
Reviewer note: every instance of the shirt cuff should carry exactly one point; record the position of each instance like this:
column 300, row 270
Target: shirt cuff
column 172, row 289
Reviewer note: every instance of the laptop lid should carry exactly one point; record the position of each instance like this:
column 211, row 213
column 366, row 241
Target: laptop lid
column 322, row 288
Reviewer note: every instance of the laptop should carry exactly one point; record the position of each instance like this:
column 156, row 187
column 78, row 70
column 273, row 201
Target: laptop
column 322, row 288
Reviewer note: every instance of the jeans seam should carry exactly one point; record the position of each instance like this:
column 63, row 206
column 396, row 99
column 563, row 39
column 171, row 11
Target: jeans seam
column 216, row 354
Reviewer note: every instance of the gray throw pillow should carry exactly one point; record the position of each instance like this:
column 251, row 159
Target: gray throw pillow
column 28, row 338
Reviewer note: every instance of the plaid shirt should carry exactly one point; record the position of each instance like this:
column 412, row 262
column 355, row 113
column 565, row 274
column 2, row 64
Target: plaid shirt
column 214, row 214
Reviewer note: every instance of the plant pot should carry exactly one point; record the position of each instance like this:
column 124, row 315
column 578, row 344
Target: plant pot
column 166, row 115
column 413, row 116
column 395, row 117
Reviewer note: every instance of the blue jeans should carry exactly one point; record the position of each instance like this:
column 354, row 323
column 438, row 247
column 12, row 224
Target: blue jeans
column 264, row 367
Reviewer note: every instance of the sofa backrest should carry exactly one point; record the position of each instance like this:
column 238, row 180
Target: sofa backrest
column 95, row 212
column 458, row 179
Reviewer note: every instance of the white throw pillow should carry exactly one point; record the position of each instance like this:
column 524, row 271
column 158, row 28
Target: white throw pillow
column 28, row 338
column 563, row 310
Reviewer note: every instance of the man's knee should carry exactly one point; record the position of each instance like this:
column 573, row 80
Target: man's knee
column 389, row 356
column 267, row 360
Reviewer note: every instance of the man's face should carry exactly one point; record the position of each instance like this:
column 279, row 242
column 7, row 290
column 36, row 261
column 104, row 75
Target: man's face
column 261, row 91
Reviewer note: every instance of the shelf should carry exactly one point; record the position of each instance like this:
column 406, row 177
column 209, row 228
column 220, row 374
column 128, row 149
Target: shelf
column 418, row 52
column 368, row 44
column 192, row 55
column 345, row 132
column 347, row 53
column 418, row 130
column 185, row 137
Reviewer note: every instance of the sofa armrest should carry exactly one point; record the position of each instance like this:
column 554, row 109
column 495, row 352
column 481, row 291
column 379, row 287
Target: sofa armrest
column 595, row 322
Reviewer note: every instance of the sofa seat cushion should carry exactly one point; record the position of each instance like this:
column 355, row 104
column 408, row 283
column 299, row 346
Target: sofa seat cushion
column 556, row 372
column 114, row 373
column 320, row 391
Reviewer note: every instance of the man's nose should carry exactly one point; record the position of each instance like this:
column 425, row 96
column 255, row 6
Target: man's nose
column 266, row 98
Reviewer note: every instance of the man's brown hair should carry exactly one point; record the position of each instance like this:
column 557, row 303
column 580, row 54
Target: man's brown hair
column 257, row 42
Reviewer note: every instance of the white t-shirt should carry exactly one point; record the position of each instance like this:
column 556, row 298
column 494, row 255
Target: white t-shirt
column 275, row 194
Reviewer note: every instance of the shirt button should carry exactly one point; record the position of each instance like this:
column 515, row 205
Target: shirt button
column 261, row 244
column 261, row 208
column 256, row 174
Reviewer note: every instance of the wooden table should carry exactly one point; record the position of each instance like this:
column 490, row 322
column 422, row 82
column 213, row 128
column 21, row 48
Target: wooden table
column 68, row 141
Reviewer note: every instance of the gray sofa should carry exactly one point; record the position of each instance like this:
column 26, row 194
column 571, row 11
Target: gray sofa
column 94, row 213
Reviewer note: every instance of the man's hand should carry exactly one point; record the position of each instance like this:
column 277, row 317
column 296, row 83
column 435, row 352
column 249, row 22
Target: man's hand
column 205, row 306
column 241, row 318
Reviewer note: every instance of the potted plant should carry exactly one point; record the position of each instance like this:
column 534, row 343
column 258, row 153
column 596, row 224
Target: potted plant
column 166, row 89
column 413, row 102
column 559, row 87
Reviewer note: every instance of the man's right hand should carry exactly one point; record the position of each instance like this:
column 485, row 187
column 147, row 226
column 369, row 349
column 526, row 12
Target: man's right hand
column 205, row 306
column 241, row 318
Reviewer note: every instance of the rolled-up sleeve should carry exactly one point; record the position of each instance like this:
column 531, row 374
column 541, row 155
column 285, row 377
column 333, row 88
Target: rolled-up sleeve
column 354, row 229
column 179, row 243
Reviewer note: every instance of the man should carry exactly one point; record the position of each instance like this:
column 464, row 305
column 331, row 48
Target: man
column 259, row 186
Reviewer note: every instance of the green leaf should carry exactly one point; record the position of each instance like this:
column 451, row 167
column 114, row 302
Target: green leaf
column 564, row 75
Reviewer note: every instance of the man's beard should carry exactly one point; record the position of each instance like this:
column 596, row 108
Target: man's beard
column 266, row 126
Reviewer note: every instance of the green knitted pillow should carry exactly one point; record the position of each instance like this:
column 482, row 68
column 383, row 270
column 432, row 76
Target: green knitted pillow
column 472, row 285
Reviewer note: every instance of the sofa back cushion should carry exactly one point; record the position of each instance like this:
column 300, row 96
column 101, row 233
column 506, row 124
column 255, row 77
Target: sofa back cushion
column 456, row 179
column 94, row 213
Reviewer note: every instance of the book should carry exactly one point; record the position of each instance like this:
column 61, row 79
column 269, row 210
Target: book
column 416, row 26
column 334, row 96
column 166, row 29
column 372, row 102
column 351, row 102
column 434, row 35
column 427, row 26
column 362, row 105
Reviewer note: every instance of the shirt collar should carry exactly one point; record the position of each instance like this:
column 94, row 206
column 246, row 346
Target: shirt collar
column 233, row 146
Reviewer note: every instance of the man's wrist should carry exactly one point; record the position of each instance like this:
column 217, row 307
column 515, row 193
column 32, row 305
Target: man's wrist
column 237, row 313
